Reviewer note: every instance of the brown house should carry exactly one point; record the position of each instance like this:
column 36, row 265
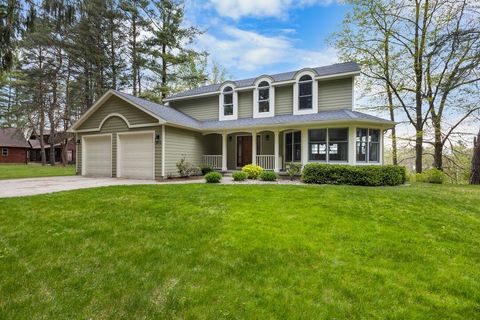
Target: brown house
column 14, row 147
column 35, row 152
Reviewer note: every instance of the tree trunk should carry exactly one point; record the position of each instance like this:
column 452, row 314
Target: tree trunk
column 437, row 144
column 475, row 172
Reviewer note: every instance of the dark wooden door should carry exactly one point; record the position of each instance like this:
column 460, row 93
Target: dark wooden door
column 244, row 150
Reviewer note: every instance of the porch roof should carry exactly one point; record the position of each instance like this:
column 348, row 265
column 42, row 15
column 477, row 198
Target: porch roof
column 174, row 117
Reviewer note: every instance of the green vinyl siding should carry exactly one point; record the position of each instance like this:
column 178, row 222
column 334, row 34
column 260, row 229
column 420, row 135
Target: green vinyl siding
column 245, row 104
column 212, row 144
column 202, row 108
column 335, row 94
column 116, row 125
column 284, row 100
column 116, row 105
column 181, row 143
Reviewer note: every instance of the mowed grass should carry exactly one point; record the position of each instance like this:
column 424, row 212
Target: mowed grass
column 242, row 252
column 18, row 171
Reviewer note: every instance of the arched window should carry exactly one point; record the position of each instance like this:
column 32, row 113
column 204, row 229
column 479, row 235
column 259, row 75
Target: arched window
column 228, row 101
column 264, row 97
column 305, row 92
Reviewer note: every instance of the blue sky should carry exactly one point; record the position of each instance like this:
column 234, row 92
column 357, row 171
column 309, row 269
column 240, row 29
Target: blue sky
column 253, row 37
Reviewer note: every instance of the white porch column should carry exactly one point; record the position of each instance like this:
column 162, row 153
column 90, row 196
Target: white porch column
column 304, row 139
column 224, row 151
column 254, row 147
column 277, row 151
column 352, row 136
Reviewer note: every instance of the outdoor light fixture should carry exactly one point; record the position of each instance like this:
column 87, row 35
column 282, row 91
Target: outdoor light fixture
column 267, row 137
column 79, row 141
column 230, row 138
column 157, row 138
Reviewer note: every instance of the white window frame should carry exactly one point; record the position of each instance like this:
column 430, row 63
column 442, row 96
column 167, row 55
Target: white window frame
column 271, row 100
column 296, row 102
column 367, row 154
column 221, row 114
column 4, row 154
column 327, row 142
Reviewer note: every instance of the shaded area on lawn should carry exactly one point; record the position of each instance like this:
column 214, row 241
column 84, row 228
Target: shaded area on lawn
column 19, row 171
column 202, row 251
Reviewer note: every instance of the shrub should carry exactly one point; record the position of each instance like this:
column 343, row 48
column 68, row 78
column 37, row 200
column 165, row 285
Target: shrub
column 205, row 169
column 194, row 171
column 268, row 176
column 253, row 171
column 431, row 176
column 183, row 167
column 239, row 176
column 213, row 177
column 372, row 175
column 293, row 169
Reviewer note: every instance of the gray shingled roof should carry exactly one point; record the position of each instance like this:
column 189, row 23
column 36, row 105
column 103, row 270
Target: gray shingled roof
column 13, row 137
column 175, row 117
column 285, row 76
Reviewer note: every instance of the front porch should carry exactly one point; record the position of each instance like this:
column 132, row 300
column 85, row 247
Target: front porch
column 274, row 149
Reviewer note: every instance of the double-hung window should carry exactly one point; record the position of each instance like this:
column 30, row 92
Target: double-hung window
column 368, row 145
column 264, row 97
column 329, row 145
column 305, row 92
column 228, row 101
column 293, row 146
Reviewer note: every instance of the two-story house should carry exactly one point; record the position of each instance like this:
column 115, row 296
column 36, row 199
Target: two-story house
column 301, row 116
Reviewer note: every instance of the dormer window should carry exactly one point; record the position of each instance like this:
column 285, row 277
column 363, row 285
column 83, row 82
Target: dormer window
column 228, row 101
column 305, row 93
column 264, row 97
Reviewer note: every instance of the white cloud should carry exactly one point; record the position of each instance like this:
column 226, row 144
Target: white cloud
column 249, row 51
column 236, row 9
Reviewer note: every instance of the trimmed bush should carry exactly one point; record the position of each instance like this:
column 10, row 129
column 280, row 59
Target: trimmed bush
column 431, row 176
column 213, row 177
column 239, row 176
column 253, row 171
column 268, row 176
column 206, row 169
column 372, row 175
column 293, row 169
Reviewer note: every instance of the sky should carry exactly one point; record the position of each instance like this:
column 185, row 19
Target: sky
column 255, row 37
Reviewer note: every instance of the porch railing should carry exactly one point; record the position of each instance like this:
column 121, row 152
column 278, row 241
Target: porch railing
column 212, row 160
column 267, row 162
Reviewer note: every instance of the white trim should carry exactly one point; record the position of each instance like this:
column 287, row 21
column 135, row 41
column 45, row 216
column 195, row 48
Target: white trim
column 84, row 149
column 353, row 93
column 116, row 114
column 224, row 151
column 163, row 151
column 100, row 102
column 276, row 150
column 119, row 164
column 271, row 99
column 221, row 115
column 205, row 94
column 314, row 109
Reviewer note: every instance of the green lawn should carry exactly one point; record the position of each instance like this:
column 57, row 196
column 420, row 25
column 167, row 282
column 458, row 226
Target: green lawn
column 17, row 171
column 242, row 252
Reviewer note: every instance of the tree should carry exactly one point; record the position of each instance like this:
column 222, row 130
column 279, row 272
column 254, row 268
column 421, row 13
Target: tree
column 9, row 30
column 475, row 172
column 169, row 44
column 401, row 45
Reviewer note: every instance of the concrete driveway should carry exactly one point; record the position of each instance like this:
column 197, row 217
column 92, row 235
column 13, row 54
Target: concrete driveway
column 32, row 186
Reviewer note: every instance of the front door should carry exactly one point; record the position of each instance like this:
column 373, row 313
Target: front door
column 244, row 150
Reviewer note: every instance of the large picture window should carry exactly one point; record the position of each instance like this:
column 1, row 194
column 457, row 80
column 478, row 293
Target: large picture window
column 305, row 92
column 264, row 97
column 368, row 145
column 228, row 101
column 328, row 144
column 293, row 146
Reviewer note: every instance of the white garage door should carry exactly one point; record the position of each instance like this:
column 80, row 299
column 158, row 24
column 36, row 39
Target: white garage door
column 97, row 156
column 136, row 155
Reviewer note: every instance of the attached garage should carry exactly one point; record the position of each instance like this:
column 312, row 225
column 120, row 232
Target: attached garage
column 136, row 155
column 97, row 155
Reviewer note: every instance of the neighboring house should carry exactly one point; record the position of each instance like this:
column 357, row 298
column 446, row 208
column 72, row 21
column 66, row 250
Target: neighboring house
column 300, row 116
column 35, row 152
column 13, row 146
